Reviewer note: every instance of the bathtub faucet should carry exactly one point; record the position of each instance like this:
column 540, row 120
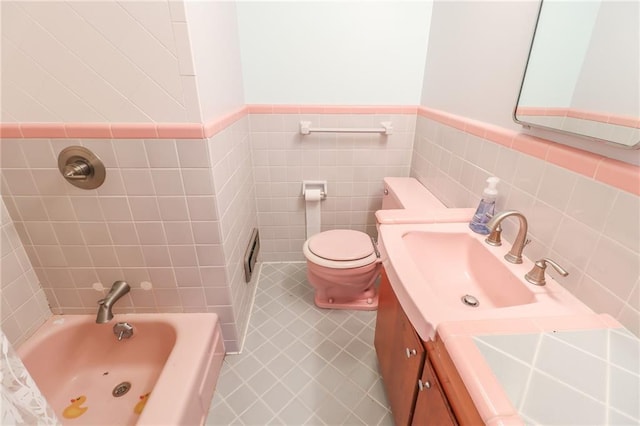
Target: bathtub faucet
column 118, row 289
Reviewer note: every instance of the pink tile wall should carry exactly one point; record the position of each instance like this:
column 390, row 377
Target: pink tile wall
column 353, row 165
column 177, row 213
column 583, row 210
column 156, row 220
column 24, row 305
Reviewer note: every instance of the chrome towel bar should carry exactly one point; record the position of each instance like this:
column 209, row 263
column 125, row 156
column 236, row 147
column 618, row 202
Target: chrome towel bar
column 386, row 129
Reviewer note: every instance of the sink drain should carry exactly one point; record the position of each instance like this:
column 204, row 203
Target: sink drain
column 470, row 300
column 121, row 389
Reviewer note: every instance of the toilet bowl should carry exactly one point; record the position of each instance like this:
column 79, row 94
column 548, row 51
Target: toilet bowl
column 343, row 265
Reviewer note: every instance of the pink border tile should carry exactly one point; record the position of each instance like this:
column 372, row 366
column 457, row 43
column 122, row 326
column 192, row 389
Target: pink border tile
column 10, row 130
column 449, row 119
column 501, row 135
column 134, row 130
column 88, row 130
column 579, row 161
column 621, row 175
column 260, row 109
column 211, row 128
column 217, row 125
column 625, row 121
column 43, row 130
column 286, row 109
column 180, row 130
column 531, row 145
column 615, row 173
column 476, row 129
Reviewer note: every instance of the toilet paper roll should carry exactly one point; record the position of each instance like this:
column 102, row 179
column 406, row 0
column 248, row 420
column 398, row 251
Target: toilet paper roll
column 312, row 198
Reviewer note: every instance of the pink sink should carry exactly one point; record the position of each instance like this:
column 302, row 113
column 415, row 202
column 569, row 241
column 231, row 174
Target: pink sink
column 456, row 264
column 432, row 267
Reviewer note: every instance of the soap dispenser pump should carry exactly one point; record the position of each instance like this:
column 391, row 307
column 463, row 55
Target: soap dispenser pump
column 486, row 208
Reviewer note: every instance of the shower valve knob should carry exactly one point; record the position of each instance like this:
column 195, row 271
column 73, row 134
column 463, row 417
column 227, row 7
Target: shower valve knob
column 77, row 170
column 81, row 167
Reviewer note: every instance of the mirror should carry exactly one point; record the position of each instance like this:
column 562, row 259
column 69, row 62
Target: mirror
column 583, row 73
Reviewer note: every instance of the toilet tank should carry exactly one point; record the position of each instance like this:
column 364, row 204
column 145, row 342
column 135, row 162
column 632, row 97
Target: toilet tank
column 408, row 193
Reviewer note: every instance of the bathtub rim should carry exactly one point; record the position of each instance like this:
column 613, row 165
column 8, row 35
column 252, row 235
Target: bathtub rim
column 198, row 340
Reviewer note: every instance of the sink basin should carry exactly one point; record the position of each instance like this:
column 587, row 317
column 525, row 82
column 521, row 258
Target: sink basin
column 456, row 264
column 445, row 272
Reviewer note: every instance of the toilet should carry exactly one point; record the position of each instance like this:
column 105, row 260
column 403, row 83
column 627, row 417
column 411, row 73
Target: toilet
column 343, row 265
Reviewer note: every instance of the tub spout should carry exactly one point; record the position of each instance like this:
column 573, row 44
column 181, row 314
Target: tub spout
column 118, row 289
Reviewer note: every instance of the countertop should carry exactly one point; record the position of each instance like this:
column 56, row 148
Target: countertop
column 571, row 370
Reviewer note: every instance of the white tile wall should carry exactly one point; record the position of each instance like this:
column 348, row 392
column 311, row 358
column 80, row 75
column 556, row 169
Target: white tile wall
column 156, row 219
column 352, row 164
column 591, row 229
column 178, row 213
column 234, row 187
column 95, row 62
column 24, row 305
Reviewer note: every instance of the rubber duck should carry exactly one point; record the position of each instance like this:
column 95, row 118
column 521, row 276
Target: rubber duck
column 75, row 410
column 140, row 405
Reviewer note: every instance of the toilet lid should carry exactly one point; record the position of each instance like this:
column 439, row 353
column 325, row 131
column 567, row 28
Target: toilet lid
column 341, row 245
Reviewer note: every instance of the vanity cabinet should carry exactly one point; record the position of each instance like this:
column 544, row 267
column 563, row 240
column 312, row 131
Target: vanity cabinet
column 432, row 407
column 422, row 385
column 400, row 353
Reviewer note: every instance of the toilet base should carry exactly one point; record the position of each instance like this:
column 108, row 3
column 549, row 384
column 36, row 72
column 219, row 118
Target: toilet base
column 364, row 304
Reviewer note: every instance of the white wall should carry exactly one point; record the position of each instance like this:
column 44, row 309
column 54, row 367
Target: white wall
column 477, row 53
column 476, row 58
column 345, row 53
column 215, row 48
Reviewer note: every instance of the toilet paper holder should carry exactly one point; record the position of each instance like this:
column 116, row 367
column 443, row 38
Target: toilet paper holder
column 315, row 184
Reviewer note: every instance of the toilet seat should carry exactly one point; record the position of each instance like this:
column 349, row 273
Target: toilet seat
column 340, row 249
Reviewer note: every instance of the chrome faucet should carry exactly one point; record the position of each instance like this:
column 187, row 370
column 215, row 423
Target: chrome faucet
column 515, row 254
column 118, row 289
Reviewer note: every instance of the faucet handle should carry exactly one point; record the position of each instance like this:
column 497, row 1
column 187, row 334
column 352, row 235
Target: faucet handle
column 536, row 274
column 494, row 237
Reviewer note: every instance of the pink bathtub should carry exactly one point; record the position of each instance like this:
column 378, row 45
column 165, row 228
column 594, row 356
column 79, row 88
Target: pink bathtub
column 171, row 365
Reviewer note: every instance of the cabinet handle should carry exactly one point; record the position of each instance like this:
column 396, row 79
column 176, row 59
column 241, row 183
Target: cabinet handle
column 424, row 385
column 410, row 352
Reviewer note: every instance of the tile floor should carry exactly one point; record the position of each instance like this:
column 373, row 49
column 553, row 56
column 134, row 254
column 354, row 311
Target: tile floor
column 301, row 365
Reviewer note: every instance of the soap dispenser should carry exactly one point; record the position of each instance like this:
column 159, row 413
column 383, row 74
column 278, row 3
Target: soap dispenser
column 486, row 208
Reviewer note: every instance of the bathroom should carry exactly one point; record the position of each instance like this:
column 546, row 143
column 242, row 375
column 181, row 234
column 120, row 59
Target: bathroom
column 199, row 154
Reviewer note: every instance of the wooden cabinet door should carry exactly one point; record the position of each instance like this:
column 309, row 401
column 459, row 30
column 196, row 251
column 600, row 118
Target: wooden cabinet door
column 432, row 407
column 450, row 383
column 386, row 320
column 400, row 354
column 409, row 356
column 402, row 360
